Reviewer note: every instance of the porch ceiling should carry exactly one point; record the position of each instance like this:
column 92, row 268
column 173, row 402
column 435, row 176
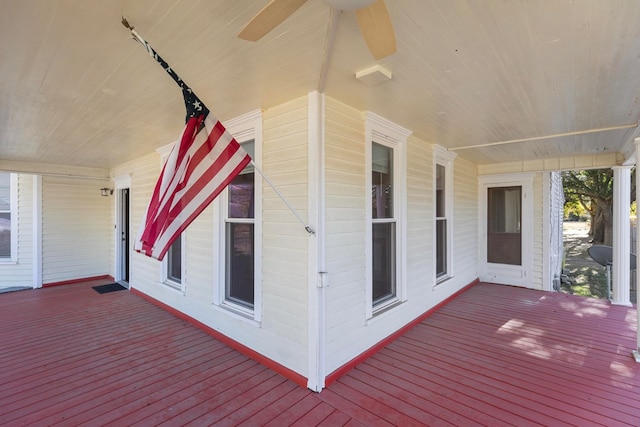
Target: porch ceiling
column 559, row 76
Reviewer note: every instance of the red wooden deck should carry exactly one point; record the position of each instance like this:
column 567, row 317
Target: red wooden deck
column 495, row 355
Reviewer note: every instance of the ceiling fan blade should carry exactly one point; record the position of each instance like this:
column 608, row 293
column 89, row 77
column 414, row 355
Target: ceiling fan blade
column 268, row 18
column 377, row 29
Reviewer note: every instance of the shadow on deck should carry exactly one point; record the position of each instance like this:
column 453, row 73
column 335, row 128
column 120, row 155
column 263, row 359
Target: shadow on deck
column 495, row 355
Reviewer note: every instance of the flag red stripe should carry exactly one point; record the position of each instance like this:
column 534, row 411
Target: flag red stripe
column 203, row 165
column 192, row 214
column 203, row 149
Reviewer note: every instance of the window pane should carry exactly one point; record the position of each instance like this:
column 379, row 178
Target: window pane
column 440, row 191
column 241, row 196
column 504, row 239
column 5, row 192
column 239, row 271
column 441, row 247
column 174, row 261
column 381, row 179
column 384, row 268
column 5, row 234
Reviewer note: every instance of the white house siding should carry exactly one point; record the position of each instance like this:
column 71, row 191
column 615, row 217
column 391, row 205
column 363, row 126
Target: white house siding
column 21, row 272
column 144, row 173
column 345, row 233
column 284, row 333
column 281, row 335
column 556, row 214
column 76, row 229
column 465, row 223
column 348, row 332
column 538, row 234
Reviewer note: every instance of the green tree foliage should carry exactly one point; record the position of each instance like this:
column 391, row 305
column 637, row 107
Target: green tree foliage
column 593, row 190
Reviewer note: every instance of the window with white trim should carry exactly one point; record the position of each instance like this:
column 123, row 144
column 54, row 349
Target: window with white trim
column 238, row 238
column 443, row 212
column 8, row 217
column 173, row 264
column 239, row 289
column 383, row 226
column 386, row 182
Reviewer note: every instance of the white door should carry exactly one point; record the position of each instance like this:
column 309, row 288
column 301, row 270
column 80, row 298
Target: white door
column 506, row 229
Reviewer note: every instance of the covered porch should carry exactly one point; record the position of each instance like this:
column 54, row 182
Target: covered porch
column 495, row 355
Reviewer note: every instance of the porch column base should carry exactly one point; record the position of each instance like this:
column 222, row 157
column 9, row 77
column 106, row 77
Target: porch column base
column 636, row 355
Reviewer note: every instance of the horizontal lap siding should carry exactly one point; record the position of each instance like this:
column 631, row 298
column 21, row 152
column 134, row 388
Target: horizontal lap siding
column 285, row 242
column 538, row 220
column 348, row 333
column 282, row 333
column 144, row 173
column 345, row 232
column 465, row 224
column 76, row 229
column 20, row 273
column 420, row 226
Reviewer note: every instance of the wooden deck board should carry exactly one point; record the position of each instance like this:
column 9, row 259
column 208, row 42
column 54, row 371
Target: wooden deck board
column 496, row 355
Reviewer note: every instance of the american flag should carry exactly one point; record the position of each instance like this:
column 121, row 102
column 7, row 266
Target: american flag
column 203, row 162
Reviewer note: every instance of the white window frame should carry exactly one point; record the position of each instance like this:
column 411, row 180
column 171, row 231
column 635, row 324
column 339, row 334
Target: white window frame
column 181, row 286
column 244, row 128
column 13, row 211
column 169, row 281
column 384, row 132
column 445, row 158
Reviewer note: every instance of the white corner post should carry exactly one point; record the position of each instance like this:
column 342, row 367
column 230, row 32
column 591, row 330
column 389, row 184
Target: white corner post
column 636, row 352
column 318, row 276
column 621, row 235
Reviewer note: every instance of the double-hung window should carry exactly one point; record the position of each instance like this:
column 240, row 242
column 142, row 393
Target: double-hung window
column 238, row 236
column 443, row 182
column 386, row 182
column 383, row 224
column 8, row 220
column 172, row 263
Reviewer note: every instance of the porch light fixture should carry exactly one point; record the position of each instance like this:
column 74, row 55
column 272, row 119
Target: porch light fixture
column 106, row 191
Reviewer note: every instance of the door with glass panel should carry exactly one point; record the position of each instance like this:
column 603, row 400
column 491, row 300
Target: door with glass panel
column 507, row 225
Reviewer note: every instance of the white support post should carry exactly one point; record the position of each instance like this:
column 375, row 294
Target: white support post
column 636, row 352
column 621, row 235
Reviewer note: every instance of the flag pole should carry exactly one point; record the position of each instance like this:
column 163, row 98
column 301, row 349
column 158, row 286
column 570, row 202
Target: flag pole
column 284, row 199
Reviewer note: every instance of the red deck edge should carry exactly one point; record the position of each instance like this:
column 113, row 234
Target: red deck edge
column 333, row 376
column 84, row 279
column 263, row 360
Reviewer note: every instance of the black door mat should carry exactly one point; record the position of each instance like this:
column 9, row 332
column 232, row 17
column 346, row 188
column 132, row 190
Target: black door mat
column 111, row 287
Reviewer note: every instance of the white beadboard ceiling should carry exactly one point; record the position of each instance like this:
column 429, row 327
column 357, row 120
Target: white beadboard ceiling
column 495, row 80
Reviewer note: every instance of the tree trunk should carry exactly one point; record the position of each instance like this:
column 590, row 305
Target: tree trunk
column 603, row 232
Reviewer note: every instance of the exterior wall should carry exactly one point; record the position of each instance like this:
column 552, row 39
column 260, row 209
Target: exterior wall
column 348, row 332
column 21, row 272
column 556, row 214
column 281, row 332
column 75, row 229
column 345, row 233
column 539, row 217
column 285, row 241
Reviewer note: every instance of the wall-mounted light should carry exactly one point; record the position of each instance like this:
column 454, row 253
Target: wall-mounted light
column 106, row 191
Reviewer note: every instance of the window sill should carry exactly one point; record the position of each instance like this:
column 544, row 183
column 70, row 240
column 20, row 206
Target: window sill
column 442, row 280
column 379, row 312
column 237, row 313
